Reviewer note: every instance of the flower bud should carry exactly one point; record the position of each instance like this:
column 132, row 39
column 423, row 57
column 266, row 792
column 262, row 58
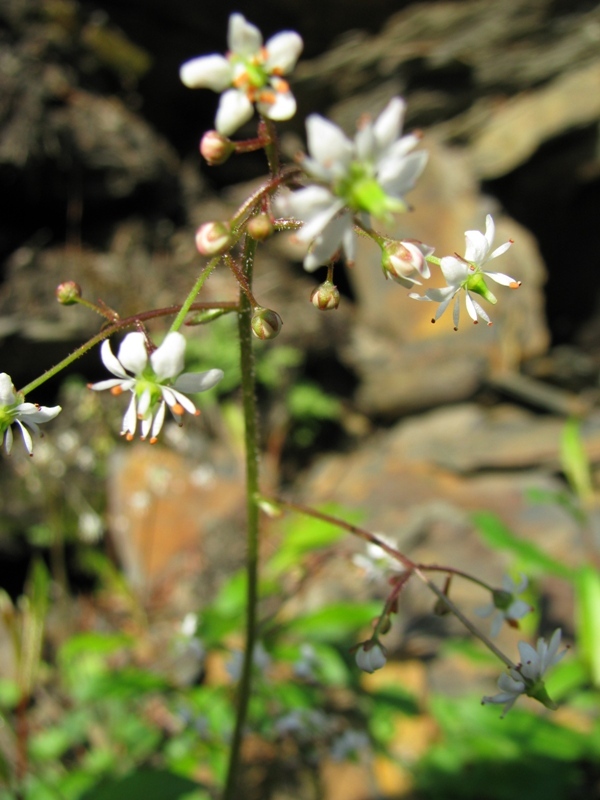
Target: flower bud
column 325, row 297
column 266, row 323
column 260, row 227
column 215, row 148
column 405, row 262
column 371, row 656
column 68, row 293
column 213, row 238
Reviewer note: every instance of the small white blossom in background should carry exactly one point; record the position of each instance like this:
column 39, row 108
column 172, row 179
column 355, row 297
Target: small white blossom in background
column 154, row 382
column 367, row 176
column 375, row 562
column 505, row 606
column 27, row 416
column 249, row 74
column 370, row 656
column 526, row 678
column 349, row 744
column 468, row 274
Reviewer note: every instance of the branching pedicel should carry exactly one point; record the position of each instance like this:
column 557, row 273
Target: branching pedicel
column 341, row 188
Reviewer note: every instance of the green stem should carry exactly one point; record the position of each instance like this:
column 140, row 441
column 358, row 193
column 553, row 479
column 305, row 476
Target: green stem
column 179, row 319
column 251, row 446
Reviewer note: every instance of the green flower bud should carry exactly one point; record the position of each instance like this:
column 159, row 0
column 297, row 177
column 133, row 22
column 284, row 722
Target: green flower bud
column 476, row 283
column 325, row 297
column 266, row 323
column 260, row 227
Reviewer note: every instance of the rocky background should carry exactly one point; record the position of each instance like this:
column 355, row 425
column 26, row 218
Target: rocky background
column 102, row 184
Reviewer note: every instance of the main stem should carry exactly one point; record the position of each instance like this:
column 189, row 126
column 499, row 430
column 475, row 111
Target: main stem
column 251, row 446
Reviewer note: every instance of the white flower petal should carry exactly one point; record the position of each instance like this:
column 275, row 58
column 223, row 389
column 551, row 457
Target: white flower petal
column 397, row 178
column 26, row 437
column 110, row 361
column 476, row 248
column 130, row 419
column 7, row 391
column 455, row 270
column 326, row 142
column 8, row 440
column 389, row 123
column 192, row 382
column 234, row 110
column 172, row 397
column 243, row 38
column 207, row 72
column 327, row 243
column 283, row 51
column 159, row 418
column 110, row 384
column 132, row 353
column 168, row 360
column 283, row 107
column 316, row 225
column 499, row 250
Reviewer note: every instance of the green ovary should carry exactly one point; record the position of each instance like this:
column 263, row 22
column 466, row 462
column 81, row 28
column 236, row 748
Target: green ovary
column 476, row 283
column 362, row 192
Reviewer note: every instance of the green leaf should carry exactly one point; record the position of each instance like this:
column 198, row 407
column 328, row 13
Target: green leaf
column 575, row 462
column 587, row 588
column 334, row 623
column 302, row 535
column 308, row 401
column 532, row 559
column 144, row 783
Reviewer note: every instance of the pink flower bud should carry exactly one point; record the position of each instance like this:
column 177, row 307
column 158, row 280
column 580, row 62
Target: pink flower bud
column 405, row 261
column 216, row 148
column 325, row 297
column 266, row 323
column 68, row 293
column 260, row 227
column 213, row 238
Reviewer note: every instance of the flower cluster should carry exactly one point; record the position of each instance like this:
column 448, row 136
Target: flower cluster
column 27, row 416
column 352, row 180
column 154, row 382
column 526, row 678
column 250, row 74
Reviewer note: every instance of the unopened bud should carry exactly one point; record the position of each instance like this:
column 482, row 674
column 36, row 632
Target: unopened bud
column 68, row 293
column 384, row 623
column 260, row 227
column 213, row 238
column 370, row 656
column 325, row 297
column 215, row 148
column 405, row 262
column 266, row 323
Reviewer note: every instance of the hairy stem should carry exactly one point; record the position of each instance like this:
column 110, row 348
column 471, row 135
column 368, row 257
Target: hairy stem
column 251, row 446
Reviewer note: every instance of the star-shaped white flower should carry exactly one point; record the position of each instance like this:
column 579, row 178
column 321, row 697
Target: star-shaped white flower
column 26, row 415
column 468, row 274
column 526, row 678
column 249, row 74
column 154, row 382
column 505, row 606
column 367, row 176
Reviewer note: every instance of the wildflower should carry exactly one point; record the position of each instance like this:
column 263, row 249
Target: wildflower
column 154, row 382
column 526, row 678
column 248, row 74
column 467, row 273
column 505, row 606
column 367, row 176
column 370, row 656
column 376, row 562
column 25, row 415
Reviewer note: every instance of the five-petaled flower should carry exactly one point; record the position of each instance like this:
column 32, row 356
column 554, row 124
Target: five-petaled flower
column 25, row 415
column 505, row 606
column 249, row 74
column 154, row 382
column 526, row 678
column 469, row 275
column 367, row 176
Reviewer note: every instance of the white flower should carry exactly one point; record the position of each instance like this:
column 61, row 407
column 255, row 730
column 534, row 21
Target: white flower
column 154, row 383
column 376, row 562
column 367, row 176
column 370, row 656
column 505, row 606
column 25, row 415
column 526, row 678
column 249, row 74
column 467, row 273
